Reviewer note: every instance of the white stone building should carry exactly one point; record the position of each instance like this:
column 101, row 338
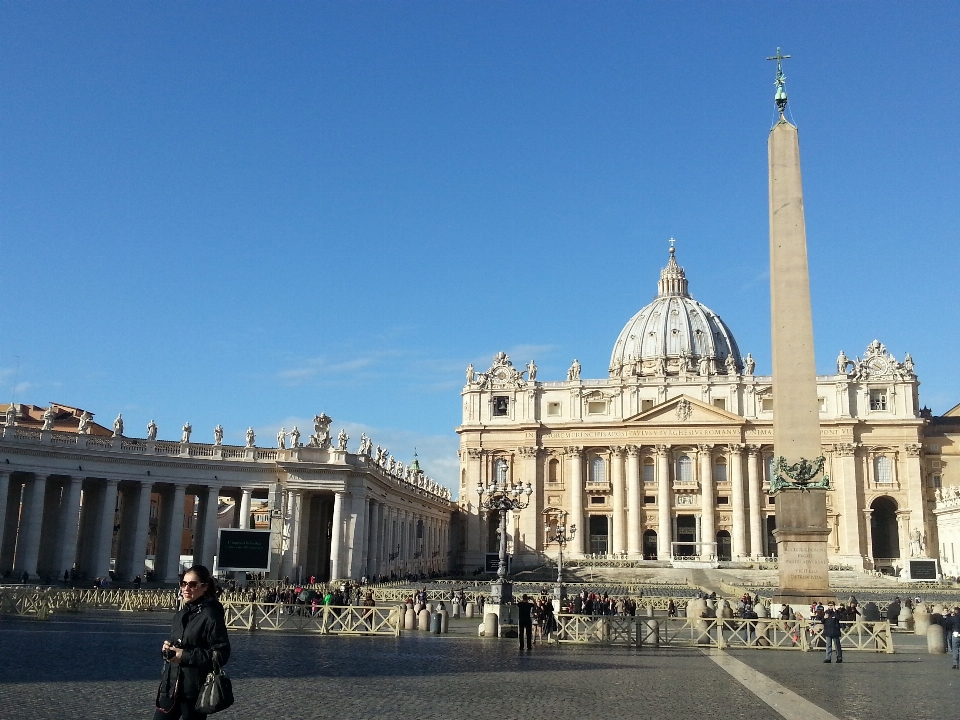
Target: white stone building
column 73, row 500
column 669, row 455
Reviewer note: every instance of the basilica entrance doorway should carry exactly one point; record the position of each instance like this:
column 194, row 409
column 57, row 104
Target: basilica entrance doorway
column 686, row 533
column 724, row 551
column 599, row 534
column 883, row 528
column 650, row 545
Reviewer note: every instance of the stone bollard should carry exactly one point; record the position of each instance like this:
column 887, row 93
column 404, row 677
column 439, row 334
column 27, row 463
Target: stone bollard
column 695, row 608
column 409, row 619
column 935, row 640
column 456, row 610
column 921, row 621
column 435, row 623
column 649, row 610
column 870, row 612
column 423, row 620
column 906, row 619
column 471, row 608
column 430, row 607
column 938, row 609
column 445, row 620
column 491, row 625
column 649, row 633
column 761, row 610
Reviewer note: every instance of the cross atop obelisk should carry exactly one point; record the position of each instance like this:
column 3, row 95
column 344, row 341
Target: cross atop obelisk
column 781, row 96
column 798, row 482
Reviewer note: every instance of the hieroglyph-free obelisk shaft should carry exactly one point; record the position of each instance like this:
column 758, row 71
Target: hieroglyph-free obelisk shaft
column 798, row 484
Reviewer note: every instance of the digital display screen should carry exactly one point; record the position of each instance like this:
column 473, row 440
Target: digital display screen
column 247, row 550
column 923, row 569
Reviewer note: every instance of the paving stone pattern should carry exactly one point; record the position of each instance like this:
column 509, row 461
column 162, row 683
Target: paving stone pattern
column 106, row 665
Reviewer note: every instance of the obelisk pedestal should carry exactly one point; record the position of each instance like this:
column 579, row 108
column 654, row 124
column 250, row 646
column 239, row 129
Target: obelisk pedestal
column 800, row 490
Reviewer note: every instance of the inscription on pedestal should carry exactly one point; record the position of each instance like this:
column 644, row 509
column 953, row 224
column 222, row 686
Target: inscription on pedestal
column 803, row 565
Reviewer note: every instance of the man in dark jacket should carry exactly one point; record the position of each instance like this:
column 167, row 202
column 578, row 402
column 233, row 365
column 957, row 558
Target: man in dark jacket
column 831, row 632
column 951, row 630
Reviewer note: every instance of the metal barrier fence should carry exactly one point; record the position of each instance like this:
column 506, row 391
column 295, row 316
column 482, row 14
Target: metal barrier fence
column 719, row 633
column 327, row 620
column 41, row 603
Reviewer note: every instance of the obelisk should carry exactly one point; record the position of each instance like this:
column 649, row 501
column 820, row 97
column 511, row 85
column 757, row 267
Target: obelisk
column 798, row 482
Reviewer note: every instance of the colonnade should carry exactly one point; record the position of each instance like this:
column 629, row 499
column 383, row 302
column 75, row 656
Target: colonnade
column 55, row 524
column 628, row 516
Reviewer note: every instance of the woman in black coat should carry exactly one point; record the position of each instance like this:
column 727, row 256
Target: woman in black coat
column 198, row 633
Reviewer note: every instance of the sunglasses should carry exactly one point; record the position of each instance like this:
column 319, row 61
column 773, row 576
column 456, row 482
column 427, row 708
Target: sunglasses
column 192, row 584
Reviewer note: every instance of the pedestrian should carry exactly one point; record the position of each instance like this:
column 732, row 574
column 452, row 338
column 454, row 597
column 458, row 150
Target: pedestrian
column 951, row 629
column 525, row 621
column 198, row 638
column 831, row 633
column 893, row 612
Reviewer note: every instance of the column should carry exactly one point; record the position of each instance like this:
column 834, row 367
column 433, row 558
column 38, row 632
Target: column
column 575, row 482
column 708, row 501
column 31, row 519
column 530, row 542
column 619, row 513
column 664, row 503
column 4, row 495
column 108, row 510
column 245, row 509
column 922, row 519
column 172, row 519
column 634, row 503
column 476, row 542
column 756, row 501
column 371, row 540
column 207, row 529
column 867, row 512
column 357, row 541
column 735, row 467
column 141, row 531
column 845, row 484
column 336, row 536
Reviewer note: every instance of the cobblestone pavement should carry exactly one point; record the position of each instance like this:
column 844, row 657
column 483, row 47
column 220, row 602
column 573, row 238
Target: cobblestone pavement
column 106, row 665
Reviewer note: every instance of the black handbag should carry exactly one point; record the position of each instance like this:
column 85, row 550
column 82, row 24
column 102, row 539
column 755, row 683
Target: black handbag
column 217, row 691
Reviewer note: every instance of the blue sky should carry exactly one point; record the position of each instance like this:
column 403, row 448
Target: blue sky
column 249, row 213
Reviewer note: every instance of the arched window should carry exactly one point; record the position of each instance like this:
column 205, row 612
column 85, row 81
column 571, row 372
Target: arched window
column 598, row 470
column 720, row 470
column 881, row 465
column 684, row 469
column 553, row 471
column 649, row 471
column 500, row 471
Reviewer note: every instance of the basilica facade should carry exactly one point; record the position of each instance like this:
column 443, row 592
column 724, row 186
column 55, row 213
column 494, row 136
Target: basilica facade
column 669, row 457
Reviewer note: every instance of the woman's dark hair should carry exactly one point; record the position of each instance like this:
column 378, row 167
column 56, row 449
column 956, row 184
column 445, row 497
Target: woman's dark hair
column 204, row 576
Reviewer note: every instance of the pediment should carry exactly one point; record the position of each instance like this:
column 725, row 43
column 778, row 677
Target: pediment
column 685, row 410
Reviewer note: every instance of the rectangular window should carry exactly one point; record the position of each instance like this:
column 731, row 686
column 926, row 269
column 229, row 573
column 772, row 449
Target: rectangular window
column 596, row 407
column 721, row 500
column 649, row 474
column 822, row 403
column 646, row 405
column 649, row 500
column 936, row 481
column 500, row 406
column 878, row 399
column 766, row 404
column 553, row 409
column 771, row 501
column 597, row 499
column 720, row 403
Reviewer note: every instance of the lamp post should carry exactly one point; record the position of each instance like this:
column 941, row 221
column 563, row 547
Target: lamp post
column 503, row 498
column 560, row 535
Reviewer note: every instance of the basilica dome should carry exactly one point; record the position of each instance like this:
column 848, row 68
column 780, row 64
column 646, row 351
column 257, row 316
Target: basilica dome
column 675, row 335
